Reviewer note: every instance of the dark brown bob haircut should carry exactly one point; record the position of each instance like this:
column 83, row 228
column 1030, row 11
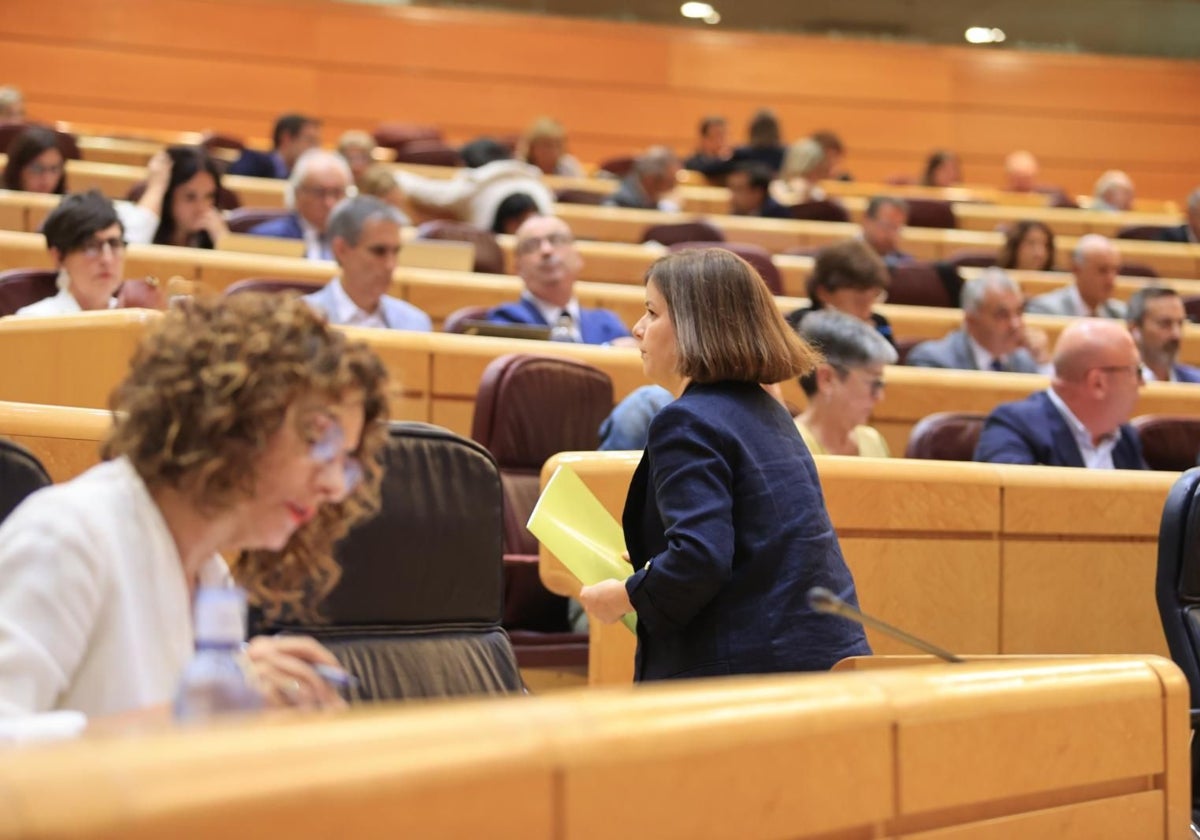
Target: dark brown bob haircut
column 727, row 326
column 1015, row 237
column 206, row 391
column 850, row 264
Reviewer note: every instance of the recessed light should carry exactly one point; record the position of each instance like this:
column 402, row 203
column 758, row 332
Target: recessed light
column 697, row 11
column 984, row 35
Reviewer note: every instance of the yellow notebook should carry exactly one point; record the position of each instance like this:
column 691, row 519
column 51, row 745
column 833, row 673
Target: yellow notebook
column 570, row 521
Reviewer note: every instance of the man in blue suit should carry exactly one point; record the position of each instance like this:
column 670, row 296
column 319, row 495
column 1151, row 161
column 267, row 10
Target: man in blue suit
column 319, row 181
column 1156, row 317
column 549, row 263
column 1081, row 420
column 365, row 233
column 294, row 134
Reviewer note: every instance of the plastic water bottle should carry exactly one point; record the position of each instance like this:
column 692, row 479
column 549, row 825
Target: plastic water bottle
column 214, row 682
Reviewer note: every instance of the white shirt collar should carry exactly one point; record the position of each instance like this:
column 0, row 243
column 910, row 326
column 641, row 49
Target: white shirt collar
column 315, row 248
column 983, row 359
column 550, row 312
column 347, row 312
column 1081, row 308
column 1095, row 456
column 1148, row 375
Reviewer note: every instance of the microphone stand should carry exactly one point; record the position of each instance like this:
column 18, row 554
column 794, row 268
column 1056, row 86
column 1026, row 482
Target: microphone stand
column 824, row 601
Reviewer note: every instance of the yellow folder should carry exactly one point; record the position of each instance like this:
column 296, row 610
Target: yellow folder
column 570, row 521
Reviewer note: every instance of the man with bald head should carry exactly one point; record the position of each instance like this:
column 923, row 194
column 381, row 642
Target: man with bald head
column 549, row 263
column 1095, row 264
column 1020, row 171
column 1081, row 420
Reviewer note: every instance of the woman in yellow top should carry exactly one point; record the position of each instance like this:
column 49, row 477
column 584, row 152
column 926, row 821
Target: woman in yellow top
column 844, row 388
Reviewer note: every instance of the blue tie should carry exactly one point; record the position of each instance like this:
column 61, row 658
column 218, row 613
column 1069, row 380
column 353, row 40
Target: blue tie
column 997, row 366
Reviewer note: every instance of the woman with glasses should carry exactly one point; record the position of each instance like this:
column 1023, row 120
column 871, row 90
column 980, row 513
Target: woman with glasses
column 842, row 390
column 848, row 277
column 246, row 426
column 86, row 240
column 725, row 522
column 35, row 163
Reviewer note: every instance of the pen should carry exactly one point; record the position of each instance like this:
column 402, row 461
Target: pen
column 336, row 676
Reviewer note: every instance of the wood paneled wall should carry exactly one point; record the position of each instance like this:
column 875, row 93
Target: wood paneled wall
column 234, row 64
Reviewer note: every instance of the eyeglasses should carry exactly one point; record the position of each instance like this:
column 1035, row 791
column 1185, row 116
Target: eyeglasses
column 1136, row 370
column 44, row 169
column 324, row 193
column 329, row 448
column 95, row 247
column 532, row 244
column 383, row 251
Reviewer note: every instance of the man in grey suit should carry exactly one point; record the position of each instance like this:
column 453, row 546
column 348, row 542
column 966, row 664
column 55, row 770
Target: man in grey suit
column 364, row 235
column 993, row 334
column 1095, row 263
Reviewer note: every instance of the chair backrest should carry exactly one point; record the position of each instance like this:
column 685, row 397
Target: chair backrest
column 756, row 255
column 417, row 610
column 694, row 231
column 1169, row 442
column 456, row 321
column 945, row 436
column 527, row 409
column 398, row 135
column 66, row 142
column 904, row 346
column 930, row 213
column 429, row 153
column 243, row 219
column 972, row 259
column 920, row 284
column 489, row 259
column 20, row 474
column 574, row 196
column 272, row 284
column 1191, row 305
column 620, row 166
column 827, row 210
column 23, row 286
column 1136, row 270
column 1147, row 232
column 213, row 140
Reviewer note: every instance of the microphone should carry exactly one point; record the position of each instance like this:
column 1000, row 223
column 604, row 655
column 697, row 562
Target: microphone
column 824, row 601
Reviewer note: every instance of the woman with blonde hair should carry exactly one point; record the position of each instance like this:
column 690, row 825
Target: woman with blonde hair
column 804, row 165
column 725, row 521
column 245, row 426
column 544, row 146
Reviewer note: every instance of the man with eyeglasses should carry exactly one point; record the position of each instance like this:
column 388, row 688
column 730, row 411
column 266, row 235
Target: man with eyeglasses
column 320, row 180
column 86, row 240
column 993, row 336
column 365, row 236
column 549, row 263
column 1081, row 420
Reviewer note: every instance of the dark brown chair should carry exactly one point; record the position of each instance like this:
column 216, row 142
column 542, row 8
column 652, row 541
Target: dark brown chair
column 694, row 231
column 1137, row 270
column 827, row 210
column 1191, row 305
column 398, row 135
column 456, row 321
column 573, row 196
column 245, row 219
column 904, row 346
column 417, row 610
column 1145, row 232
column 930, row 213
column 972, row 259
column 211, row 141
column 23, row 286
column 1169, row 442
column 272, row 285
column 619, row 166
column 21, row 473
column 527, row 409
column 756, row 255
column 945, row 436
column 429, row 153
column 920, row 284
column 489, row 259
column 66, row 142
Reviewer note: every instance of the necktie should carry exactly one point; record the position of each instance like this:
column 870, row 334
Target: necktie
column 997, row 365
column 562, row 329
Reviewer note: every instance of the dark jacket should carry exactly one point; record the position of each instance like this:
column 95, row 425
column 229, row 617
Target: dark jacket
column 596, row 326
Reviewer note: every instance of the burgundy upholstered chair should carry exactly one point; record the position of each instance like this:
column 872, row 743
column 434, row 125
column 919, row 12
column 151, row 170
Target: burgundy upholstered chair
column 697, row 230
column 429, row 153
column 23, row 286
column 1169, row 442
column 272, row 285
column 930, row 213
column 919, row 284
column 1145, row 232
column 398, row 135
column 756, row 255
column 945, row 436
column 456, row 321
column 827, row 210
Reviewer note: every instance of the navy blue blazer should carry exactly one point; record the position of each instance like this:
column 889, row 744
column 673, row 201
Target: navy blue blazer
column 596, row 326
column 1178, row 233
column 726, row 527
column 257, row 165
column 1031, row 431
column 284, row 227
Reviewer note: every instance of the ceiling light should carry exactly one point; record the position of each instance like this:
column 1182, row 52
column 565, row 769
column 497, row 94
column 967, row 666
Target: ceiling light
column 697, row 10
column 984, row 35
column 714, row 18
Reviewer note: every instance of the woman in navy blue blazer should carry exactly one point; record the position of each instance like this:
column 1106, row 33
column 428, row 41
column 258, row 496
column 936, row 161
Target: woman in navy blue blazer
column 725, row 520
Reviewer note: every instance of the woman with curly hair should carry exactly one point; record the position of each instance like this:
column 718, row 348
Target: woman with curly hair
column 245, row 425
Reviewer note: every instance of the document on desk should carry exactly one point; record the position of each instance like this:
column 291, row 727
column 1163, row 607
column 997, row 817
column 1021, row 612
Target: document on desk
column 570, row 521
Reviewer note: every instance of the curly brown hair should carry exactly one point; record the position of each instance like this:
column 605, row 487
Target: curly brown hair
column 206, row 391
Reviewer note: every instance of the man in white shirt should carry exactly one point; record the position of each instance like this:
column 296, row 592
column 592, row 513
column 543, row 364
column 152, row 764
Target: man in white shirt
column 1081, row 420
column 365, row 237
column 1095, row 264
column 318, row 182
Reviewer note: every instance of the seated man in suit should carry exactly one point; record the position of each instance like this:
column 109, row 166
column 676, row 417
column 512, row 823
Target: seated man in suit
column 365, row 235
column 1095, row 263
column 749, row 192
column 319, row 181
column 293, row 135
column 646, row 187
column 993, row 335
column 549, row 263
column 883, row 226
column 713, row 151
column 1081, row 420
column 1155, row 318
column 1189, row 231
